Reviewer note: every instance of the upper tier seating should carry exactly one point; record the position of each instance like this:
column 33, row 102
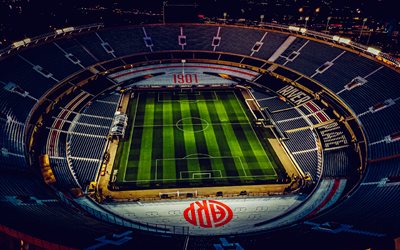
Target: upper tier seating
column 52, row 59
column 92, row 43
column 384, row 149
column 308, row 60
column 378, row 170
column 370, row 207
column 380, row 86
column 125, row 41
column 24, row 198
column 72, row 46
column 244, row 41
column 296, row 45
column 372, row 123
column 345, row 69
column 12, row 145
column 19, row 72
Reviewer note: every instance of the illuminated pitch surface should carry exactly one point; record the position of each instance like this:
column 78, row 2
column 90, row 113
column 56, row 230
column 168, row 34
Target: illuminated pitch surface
column 190, row 139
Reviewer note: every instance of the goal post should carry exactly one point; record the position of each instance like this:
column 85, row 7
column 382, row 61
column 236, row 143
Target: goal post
column 201, row 175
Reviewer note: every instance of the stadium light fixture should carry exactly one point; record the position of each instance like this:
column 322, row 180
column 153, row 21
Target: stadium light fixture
column 183, row 66
column 373, row 51
column 17, row 44
column 344, row 40
column 24, row 42
column 294, row 28
column 68, row 29
column 307, row 18
column 327, row 23
column 27, row 40
column 362, row 27
column 303, row 30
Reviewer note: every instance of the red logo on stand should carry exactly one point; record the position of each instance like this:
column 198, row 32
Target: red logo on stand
column 208, row 213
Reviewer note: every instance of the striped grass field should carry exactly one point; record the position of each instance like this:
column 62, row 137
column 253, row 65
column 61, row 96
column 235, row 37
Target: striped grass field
column 189, row 139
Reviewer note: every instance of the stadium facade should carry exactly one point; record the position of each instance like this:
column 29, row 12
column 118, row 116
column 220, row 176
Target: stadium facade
column 330, row 104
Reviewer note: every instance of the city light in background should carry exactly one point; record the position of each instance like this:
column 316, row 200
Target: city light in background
column 358, row 20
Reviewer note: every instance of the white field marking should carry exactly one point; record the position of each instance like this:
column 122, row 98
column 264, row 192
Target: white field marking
column 208, row 176
column 184, row 93
column 199, row 154
column 211, row 124
column 191, row 101
column 224, row 177
column 199, row 171
column 255, row 134
column 207, row 157
column 193, row 131
column 131, row 135
column 241, row 164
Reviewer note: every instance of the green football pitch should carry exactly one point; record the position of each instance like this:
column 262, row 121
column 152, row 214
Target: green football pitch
column 185, row 139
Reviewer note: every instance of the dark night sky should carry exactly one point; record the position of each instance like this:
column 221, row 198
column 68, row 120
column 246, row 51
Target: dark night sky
column 38, row 15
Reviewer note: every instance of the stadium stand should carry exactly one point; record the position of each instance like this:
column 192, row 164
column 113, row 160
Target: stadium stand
column 378, row 204
column 337, row 163
column 244, row 41
column 125, row 41
column 52, row 59
column 162, row 42
column 292, row 124
column 383, row 149
column 87, row 140
column 271, row 43
column 301, row 140
column 21, row 73
column 286, row 114
column 12, row 145
column 372, row 122
column 79, row 134
column 15, row 102
column 292, row 51
column 344, row 69
column 199, row 37
column 73, row 47
column 308, row 162
column 273, row 103
column 384, row 169
column 308, row 61
column 92, row 44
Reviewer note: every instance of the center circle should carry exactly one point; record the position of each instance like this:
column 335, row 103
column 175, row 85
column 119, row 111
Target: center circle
column 192, row 124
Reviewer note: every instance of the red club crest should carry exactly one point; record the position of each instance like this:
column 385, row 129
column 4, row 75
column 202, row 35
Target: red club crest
column 208, row 213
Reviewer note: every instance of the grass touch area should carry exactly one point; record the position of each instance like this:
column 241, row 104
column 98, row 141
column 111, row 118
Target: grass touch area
column 177, row 139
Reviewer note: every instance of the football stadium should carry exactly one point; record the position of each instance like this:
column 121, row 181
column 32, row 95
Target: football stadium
column 198, row 136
